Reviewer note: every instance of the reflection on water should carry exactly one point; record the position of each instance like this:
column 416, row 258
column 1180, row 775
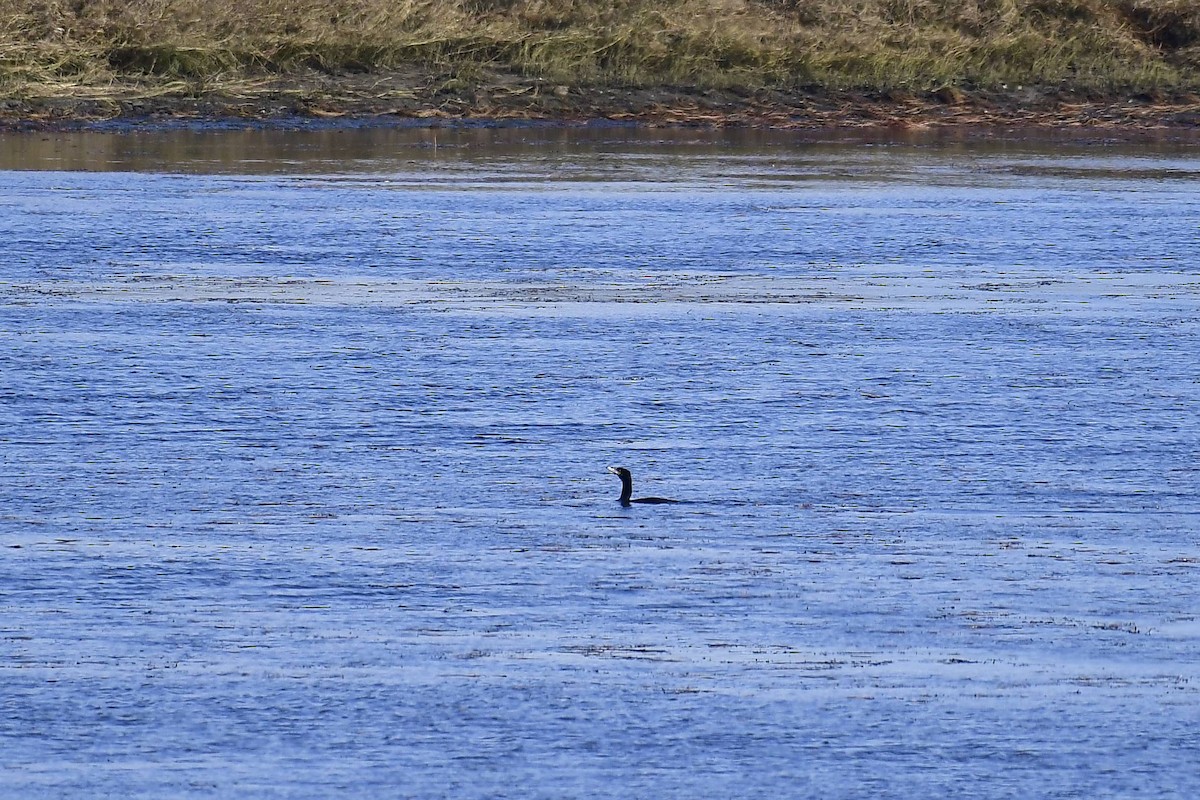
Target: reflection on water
column 575, row 153
column 304, row 442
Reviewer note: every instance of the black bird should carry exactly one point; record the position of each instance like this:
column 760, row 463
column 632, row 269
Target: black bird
column 627, row 489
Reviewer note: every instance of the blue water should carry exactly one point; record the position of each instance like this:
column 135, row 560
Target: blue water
column 304, row 441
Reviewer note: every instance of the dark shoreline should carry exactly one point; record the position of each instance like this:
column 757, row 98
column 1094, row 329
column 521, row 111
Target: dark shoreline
column 299, row 103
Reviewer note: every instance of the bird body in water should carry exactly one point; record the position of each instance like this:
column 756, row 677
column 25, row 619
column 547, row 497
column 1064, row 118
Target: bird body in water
column 627, row 489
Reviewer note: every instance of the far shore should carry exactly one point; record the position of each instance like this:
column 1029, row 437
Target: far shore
column 1126, row 69
column 400, row 98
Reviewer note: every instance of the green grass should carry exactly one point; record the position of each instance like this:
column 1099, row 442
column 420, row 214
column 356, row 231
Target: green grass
column 1081, row 45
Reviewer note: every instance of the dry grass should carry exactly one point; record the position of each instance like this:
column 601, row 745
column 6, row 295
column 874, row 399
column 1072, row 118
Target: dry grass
column 66, row 46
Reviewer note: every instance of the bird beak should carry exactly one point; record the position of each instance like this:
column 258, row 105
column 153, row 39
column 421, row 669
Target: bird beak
column 614, row 470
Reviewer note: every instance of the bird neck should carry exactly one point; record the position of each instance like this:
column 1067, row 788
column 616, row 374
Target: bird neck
column 626, row 489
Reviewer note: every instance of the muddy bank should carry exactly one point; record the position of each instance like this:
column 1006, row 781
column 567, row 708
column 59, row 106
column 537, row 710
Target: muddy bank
column 405, row 97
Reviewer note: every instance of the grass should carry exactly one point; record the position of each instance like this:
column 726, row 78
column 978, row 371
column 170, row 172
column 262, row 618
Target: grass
column 1105, row 46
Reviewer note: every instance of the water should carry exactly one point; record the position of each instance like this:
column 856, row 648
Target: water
column 304, row 442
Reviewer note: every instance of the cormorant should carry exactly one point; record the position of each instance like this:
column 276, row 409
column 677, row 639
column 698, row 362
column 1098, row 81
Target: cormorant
column 627, row 489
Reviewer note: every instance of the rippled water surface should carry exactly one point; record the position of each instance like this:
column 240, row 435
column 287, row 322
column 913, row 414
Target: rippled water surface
column 304, row 438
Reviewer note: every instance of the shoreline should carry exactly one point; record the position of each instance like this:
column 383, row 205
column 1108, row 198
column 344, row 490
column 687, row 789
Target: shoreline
column 401, row 99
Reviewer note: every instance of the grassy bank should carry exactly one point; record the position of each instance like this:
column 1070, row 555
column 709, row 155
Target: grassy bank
column 72, row 49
